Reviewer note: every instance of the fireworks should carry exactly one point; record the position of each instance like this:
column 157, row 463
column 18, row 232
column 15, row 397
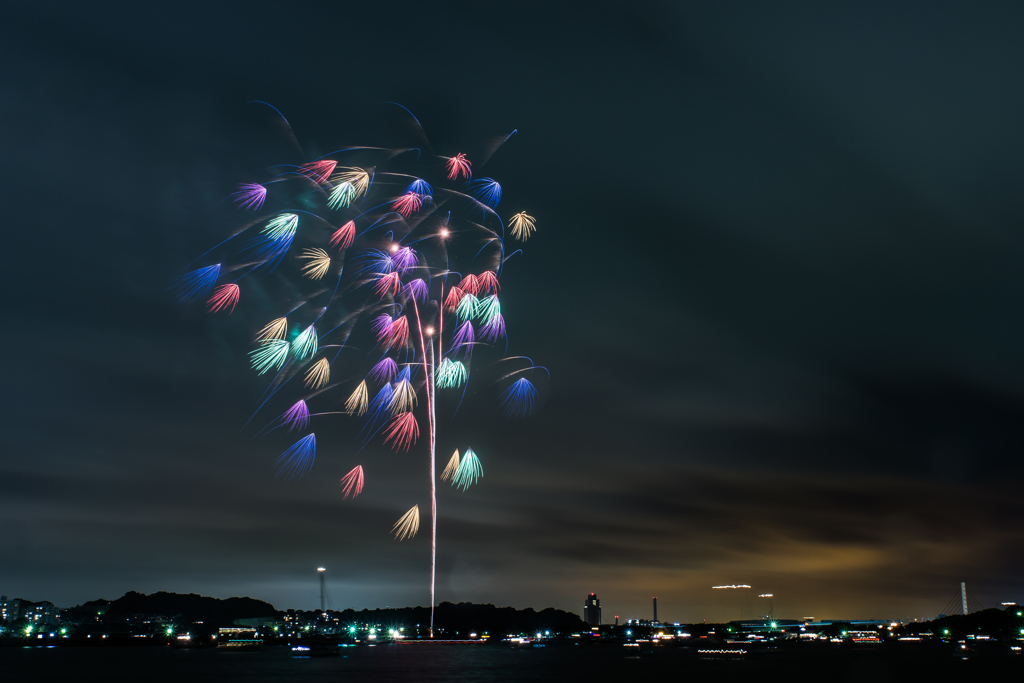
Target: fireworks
column 408, row 524
column 487, row 191
column 358, row 178
column 467, row 306
column 408, row 204
column 450, row 374
column 403, row 398
column 342, row 196
column 281, row 226
column 519, row 398
column 250, row 196
column 224, row 297
column 318, row 375
column 522, row 226
column 452, row 467
column 297, row 417
column 352, row 483
column 464, row 336
column 195, row 285
column 319, row 263
column 402, row 432
column 304, row 345
column 359, row 400
column 384, row 371
column 318, row 171
column 378, row 312
column 275, row 329
column 469, row 470
column 298, row 459
column 459, row 167
column 271, row 354
column 342, row 237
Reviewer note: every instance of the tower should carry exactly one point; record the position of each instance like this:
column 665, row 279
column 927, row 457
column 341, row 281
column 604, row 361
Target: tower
column 323, row 589
column 963, row 596
column 592, row 610
column 655, row 620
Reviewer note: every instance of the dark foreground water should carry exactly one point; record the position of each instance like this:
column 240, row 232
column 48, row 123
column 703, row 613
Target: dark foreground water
column 422, row 663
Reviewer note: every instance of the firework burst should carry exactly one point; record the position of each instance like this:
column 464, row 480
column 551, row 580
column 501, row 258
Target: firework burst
column 352, row 483
column 318, row 375
column 522, row 226
column 224, row 298
column 394, row 287
column 408, row 525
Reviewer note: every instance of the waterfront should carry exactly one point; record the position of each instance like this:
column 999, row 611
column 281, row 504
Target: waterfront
column 424, row 663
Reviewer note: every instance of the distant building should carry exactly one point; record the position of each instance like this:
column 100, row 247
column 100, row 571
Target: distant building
column 40, row 613
column 10, row 610
column 592, row 610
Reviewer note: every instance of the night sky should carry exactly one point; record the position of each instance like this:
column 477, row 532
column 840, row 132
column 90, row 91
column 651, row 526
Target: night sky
column 777, row 283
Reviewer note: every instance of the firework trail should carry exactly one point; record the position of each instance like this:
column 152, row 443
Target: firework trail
column 380, row 268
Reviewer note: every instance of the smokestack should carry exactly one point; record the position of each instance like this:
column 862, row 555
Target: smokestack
column 616, row 619
column 655, row 608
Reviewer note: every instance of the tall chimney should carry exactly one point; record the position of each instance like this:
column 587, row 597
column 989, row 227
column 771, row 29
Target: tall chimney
column 655, row 608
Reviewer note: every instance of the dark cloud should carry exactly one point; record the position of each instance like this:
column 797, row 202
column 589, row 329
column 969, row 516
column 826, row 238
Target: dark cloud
column 776, row 284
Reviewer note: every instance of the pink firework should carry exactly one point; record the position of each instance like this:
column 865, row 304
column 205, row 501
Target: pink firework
column 399, row 333
column 488, row 282
column 318, row 171
column 250, row 196
column 352, row 483
column 459, row 166
column 388, row 283
column 455, row 295
column 470, row 285
column 343, row 236
column 402, row 432
column 225, row 296
column 408, row 204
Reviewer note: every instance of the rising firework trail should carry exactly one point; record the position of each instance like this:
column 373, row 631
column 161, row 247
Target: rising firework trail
column 375, row 276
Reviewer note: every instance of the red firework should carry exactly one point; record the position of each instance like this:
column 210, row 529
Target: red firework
column 458, row 166
column 455, row 295
column 318, row 171
column 343, row 236
column 352, row 483
column 388, row 283
column 402, row 432
column 225, row 296
column 488, row 282
column 408, row 204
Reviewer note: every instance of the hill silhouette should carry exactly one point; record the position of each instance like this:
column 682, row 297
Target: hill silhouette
column 192, row 607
